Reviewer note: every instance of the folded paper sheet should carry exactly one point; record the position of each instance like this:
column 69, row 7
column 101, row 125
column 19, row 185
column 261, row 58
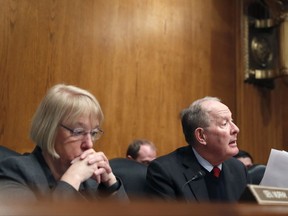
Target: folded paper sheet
column 276, row 173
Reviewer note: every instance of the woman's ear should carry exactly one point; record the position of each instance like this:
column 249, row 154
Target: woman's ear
column 200, row 136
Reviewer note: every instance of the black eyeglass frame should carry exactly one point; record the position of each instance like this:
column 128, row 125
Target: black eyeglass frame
column 76, row 132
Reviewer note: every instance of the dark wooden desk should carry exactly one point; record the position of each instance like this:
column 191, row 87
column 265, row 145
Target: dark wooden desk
column 144, row 208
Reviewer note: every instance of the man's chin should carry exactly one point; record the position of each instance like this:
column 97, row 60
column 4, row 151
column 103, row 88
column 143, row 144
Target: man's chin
column 234, row 150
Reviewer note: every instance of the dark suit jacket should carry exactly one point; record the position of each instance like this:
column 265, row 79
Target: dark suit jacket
column 6, row 152
column 256, row 173
column 28, row 178
column 167, row 177
column 133, row 176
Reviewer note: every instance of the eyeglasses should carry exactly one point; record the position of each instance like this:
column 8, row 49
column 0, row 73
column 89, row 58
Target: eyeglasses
column 80, row 132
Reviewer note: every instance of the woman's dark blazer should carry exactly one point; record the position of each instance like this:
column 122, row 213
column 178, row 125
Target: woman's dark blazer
column 27, row 177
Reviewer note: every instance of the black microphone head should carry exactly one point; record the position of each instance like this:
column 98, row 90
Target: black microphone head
column 201, row 173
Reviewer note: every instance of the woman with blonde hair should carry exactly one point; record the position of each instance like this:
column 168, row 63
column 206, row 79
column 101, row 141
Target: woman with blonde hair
column 63, row 165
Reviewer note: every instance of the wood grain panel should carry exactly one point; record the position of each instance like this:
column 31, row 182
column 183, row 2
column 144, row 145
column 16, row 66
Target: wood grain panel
column 144, row 60
column 261, row 112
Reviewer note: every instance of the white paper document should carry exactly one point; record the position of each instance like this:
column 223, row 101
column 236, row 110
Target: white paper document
column 276, row 173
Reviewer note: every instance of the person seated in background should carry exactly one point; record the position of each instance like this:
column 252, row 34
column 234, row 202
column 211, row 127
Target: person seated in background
column 255, row 171
column 63, row 165
column 132, row 175
column 205, row 170
column 142, row 151
column 245, row 158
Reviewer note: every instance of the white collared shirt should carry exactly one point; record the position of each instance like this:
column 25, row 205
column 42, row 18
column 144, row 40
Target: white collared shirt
column 204, row 162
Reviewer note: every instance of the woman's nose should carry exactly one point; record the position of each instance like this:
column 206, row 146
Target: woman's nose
column 87, row 142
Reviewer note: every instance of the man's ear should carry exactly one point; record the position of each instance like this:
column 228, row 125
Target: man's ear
column 129, row 157
column 200, row 136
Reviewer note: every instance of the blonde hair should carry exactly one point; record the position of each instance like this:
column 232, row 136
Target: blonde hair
column 61, row 103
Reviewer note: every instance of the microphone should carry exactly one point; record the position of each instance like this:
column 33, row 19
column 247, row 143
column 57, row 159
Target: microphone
column 200, row 174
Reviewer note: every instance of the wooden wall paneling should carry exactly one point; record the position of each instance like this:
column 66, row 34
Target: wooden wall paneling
column 260, row 113
column 173, row 58
column 285, row 113
column 223, row 60
column 143, row 60
column 18, row 67
column 261, row 129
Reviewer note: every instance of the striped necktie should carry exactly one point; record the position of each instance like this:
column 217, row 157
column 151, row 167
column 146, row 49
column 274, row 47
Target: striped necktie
column 216, row 171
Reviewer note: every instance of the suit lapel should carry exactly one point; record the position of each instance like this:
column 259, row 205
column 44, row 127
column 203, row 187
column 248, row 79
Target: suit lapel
column 195, row 189
column 228, row 178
